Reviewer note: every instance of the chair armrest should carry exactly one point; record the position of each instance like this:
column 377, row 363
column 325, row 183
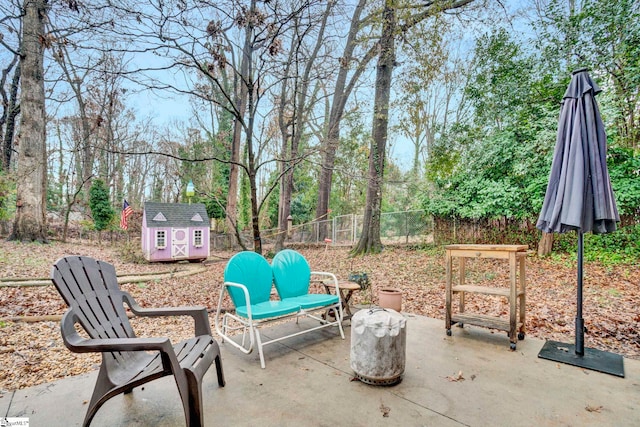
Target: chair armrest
column 83, row 345
column 79, row 344
column 332, row 277
column 247, row 297
column 198, row 313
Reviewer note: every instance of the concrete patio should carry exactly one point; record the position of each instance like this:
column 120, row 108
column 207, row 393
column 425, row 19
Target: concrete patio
column 308, row 382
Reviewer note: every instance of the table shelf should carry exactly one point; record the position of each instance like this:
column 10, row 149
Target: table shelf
column 483, row 320
column 484, row 290
column 515, row 293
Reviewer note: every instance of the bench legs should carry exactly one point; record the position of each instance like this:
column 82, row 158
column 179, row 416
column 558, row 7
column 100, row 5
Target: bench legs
column 255, row 339
column 259, row 345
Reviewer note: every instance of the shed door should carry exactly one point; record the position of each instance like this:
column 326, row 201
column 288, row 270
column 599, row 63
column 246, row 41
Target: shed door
column 179, row 242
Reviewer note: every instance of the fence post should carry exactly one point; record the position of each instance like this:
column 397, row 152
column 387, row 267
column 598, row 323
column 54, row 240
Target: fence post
column 353, row 228
column 334, row 224
column 289, row 226
column 406, row 227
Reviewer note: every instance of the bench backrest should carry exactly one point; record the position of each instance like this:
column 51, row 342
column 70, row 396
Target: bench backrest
column 291, row 273
column 254, row 272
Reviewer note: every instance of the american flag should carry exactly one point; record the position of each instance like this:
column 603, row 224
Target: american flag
column 127, row 211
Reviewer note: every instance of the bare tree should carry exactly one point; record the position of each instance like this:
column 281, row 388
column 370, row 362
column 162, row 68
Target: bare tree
column 203, row 39
column 345, row 82
column 11, row 21
column 370, row 236
column 294, row 108
column 78, row 79
column 10, row 111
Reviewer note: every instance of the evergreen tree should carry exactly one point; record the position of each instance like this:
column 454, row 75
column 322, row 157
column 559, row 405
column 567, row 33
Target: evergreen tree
column 101, row 209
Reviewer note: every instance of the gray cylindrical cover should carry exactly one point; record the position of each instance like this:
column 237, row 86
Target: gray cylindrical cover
column 378, row 345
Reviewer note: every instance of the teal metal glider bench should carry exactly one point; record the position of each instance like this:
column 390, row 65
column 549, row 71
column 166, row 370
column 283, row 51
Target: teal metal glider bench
column 249, row 279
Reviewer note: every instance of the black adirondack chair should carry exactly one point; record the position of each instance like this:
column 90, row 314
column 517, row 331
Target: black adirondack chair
column 96, row 302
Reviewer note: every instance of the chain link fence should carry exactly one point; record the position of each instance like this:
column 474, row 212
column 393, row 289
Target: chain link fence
column 395, row 227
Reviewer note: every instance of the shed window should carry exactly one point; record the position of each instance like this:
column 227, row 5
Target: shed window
column 197, row 238
column 161, row 239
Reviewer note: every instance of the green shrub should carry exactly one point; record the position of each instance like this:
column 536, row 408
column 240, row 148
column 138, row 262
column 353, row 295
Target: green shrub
column 101, row 209
column 620, row 247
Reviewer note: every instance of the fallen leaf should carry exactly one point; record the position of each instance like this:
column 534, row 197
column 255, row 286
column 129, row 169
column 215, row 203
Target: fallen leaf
column 456, row 377
column 385, row 410
column 612, row 299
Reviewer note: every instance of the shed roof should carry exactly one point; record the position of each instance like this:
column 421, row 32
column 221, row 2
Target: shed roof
column 176, row 215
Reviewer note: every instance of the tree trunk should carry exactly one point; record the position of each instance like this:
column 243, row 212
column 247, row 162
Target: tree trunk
column 332, row 139
column 300, row 106
column 545, row 244
column 30, row 220
column 10, row 113
column 232, row 198
column 284, row 204
column 77, row 86
column 286, row 188
column 255, row 218
column 285, row 124
column 240, row 100
column 249, row 87
column 370, row 238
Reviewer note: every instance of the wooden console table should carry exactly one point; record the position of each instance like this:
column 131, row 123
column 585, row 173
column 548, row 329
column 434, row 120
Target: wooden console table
column 515, row 293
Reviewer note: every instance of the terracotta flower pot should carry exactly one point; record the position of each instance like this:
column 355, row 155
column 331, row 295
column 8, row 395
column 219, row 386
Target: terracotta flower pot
column 390, row 298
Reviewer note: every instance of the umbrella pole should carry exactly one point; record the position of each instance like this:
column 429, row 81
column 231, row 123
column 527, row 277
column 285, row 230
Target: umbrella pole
column 589, row 358
column 579, row 348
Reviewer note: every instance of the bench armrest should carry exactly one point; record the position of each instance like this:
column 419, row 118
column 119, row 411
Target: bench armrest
column 247, row 297
column 331, row 277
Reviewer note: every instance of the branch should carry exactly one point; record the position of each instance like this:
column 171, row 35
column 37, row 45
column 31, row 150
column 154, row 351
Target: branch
column 431, row 10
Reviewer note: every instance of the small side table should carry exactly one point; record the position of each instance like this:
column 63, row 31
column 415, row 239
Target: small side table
column 347, row 289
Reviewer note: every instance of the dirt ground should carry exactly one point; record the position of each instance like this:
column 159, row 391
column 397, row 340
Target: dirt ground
column 32, row 351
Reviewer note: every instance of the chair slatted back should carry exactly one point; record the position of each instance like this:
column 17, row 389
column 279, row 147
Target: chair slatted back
column 253, row 271
column 90, row 289
column 291, row 273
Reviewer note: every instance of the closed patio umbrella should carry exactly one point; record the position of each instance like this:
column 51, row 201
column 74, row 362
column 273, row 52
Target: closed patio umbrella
column 579, row 197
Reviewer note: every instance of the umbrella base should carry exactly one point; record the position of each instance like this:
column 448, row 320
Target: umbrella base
column 596, row 360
